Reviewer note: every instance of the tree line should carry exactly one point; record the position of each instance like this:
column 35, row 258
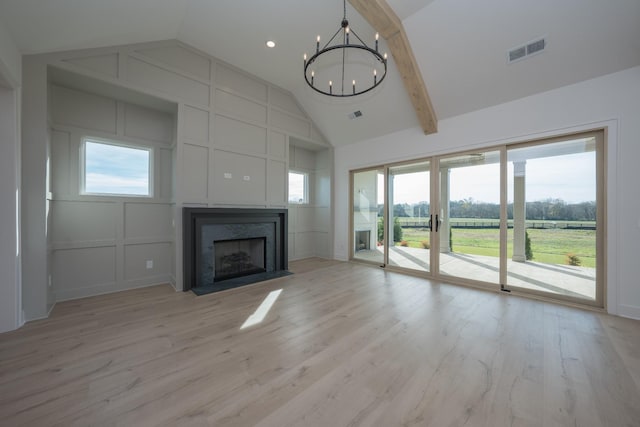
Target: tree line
column 550, row 209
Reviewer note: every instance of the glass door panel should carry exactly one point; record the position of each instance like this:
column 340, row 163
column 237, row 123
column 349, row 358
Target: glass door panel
column 368, row 215
column 409, row 233
column 468, row 220
column 552, row 208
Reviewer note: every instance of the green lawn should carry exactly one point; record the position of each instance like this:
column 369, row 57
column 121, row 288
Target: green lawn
column 549, row 246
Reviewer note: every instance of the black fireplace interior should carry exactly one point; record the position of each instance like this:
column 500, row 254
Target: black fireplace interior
column 228, row 248
column 238, row 257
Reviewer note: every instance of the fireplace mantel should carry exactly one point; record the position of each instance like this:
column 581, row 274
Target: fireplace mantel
column 203, row 226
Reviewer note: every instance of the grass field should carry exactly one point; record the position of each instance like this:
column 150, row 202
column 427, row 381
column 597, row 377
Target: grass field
column 549, row 246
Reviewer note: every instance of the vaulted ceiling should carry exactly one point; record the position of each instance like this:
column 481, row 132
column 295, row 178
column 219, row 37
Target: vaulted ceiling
column 460, row 46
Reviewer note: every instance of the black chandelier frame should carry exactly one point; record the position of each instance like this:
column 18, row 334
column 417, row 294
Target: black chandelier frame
column 328, row 47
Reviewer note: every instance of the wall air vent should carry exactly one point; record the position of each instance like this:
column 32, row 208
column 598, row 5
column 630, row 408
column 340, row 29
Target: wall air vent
column 526, row 50
column 355, row 114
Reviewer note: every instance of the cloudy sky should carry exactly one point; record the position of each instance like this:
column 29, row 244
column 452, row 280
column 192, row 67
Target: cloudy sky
column 115, row 169
column 569, row 177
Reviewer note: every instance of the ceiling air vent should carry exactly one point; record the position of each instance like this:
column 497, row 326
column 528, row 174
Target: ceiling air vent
column 518, row 53
column 355, row 114
column 526, row 50
column 535, row 46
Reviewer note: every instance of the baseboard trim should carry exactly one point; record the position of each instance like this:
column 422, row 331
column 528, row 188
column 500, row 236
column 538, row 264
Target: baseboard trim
column 629, row 311
column 107, row 288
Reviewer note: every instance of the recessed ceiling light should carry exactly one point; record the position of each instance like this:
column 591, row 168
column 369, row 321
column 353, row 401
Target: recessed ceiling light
column 271, row 43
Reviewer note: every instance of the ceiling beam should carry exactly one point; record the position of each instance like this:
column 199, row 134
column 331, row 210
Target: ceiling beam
column 384, row 20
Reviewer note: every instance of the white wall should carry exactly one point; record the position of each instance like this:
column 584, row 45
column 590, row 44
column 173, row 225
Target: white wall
column 10, row 60
column 36, row 298
column 10, row 292
column 10, row 250
column 612, row 101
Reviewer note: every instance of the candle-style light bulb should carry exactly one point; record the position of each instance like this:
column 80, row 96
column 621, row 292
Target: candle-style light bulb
column 330, row 87
column 375, row 76
column 313, row 74
column 377, row 41
column 346, row 30
column 354, row 87
column 305, row 58
column 385, row 56
column 317, row 44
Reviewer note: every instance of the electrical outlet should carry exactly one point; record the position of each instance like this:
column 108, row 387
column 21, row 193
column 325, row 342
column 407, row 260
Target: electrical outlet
column 149, row 264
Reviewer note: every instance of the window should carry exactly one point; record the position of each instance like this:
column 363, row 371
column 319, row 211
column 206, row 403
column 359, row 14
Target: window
column 298, row 187
column 113, row 169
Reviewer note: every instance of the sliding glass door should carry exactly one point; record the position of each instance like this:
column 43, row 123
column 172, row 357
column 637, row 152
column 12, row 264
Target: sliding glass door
column 409, row 223
column 555, row 216
column 526, row 218
column 469, row 216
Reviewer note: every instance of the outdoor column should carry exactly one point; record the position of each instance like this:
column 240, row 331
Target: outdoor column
column 519, row 211
column 391, row 238
column 445, row 244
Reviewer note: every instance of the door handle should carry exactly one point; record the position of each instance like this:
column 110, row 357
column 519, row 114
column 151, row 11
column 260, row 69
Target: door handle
column 437, row 223
column 430, row 222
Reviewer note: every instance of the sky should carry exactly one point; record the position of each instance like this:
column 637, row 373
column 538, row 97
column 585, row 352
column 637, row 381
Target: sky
column 296, row 187
column 113, row 169
column 569, row 177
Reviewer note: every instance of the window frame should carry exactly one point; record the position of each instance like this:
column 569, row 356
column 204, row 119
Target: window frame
column 305, row 189
column 116, row 143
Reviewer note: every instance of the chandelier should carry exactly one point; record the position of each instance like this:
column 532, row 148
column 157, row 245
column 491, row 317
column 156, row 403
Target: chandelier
column 345, row 66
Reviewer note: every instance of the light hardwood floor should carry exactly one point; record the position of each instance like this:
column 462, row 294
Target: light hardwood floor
column 343, row 345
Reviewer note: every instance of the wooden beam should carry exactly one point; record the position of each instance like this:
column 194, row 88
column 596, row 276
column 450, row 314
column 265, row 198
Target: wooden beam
column 384, row 20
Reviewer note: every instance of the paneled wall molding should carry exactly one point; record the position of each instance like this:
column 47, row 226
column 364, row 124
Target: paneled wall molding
column 243, row 95
column 123, row 54
column 83, row 132
column 293, row 115
column 62, row 197
column 242, row 109
column 142, row 57
column 226, row 121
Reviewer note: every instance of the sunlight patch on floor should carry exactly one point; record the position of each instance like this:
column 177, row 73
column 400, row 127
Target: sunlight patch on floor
column 260, row 313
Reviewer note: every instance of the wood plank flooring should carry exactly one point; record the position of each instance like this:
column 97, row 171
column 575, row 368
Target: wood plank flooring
column 343, row 345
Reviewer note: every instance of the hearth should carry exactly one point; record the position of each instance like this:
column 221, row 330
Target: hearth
column 227, row 248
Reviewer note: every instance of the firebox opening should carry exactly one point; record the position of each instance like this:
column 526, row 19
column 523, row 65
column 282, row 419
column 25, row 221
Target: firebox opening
column 238, row 257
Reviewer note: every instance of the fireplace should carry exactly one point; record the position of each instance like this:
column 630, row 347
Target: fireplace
column 227, row 248
column 363, row 240
column 238, row 257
